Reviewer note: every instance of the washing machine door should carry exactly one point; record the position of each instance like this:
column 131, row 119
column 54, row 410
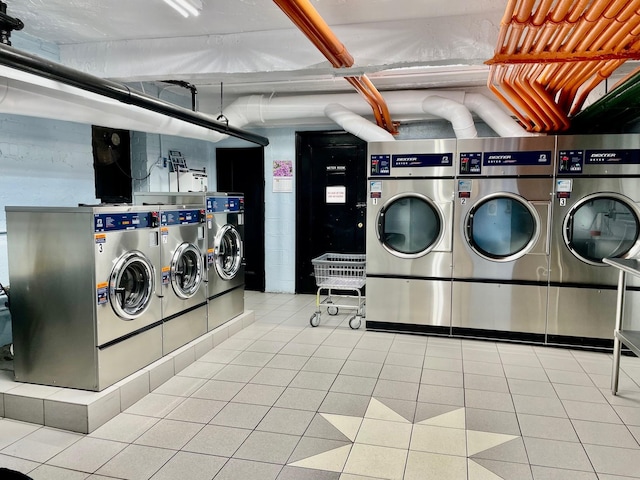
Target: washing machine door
column 228, row 252
column 410, row 225
column 131, row 285
column 602, row 225
column 186, row 270
column 502, row 227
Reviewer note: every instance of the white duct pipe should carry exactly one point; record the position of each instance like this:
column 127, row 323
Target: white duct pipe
column 459, row 116
column 356, row 125
column 494, row 116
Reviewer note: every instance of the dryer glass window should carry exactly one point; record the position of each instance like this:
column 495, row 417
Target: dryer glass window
column 409, row 226
column 186, row 270
column 228, row 252
column 501, row 228
column 600, row 228
column 131, row 285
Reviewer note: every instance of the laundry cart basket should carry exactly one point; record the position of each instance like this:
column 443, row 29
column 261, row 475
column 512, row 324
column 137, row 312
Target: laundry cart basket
column 344, row 273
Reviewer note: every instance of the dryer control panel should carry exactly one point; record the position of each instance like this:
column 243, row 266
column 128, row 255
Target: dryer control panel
column 111, row 222
column 604, row 161
column 182, row 217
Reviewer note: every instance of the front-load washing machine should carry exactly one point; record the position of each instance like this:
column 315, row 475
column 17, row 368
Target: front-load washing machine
column 84, row 305
column 225, row 257
column 501, row 237
column 409, row 235
column 596, row 215
column 181, row 275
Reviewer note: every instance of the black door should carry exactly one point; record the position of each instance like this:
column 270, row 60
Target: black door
column 242, row 170
column 330, row 201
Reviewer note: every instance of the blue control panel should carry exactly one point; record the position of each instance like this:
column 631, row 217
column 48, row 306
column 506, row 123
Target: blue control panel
column 181, row 217
column 381, row 165
column 573, row 161
column 541, row 157
column 422, row 160
column 112, row 222
column 225, row 204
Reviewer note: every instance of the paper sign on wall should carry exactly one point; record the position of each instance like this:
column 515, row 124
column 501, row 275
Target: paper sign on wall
column 336, row 194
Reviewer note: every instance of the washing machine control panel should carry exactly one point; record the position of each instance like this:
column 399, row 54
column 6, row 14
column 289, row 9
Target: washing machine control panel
column 225, row 204
column 382, row 164
column 111, row 222
column 576, row 161
column 182, row 217
column 473, row 163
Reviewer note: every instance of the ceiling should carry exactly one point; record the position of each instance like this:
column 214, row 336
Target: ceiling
column 251, row 47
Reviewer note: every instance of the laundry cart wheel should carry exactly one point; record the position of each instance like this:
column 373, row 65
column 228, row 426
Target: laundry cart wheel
column 314, row 321
column 355, row 322
column 333, row 311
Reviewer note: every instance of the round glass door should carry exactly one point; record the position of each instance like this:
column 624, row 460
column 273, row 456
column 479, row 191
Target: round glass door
column 409, row 226
column 601, row 226
column 228, row 252
column 502, row 227
column 186, row 270
column 131, row 285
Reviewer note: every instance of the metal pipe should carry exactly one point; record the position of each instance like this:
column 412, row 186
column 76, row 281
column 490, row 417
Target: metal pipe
column 53, row 71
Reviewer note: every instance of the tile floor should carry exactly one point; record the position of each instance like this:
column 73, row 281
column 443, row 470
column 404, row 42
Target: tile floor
column 283, row 401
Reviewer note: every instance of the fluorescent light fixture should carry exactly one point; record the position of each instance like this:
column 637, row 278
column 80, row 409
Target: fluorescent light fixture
column 186, row 7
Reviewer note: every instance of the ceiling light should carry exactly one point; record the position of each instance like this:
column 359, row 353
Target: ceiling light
column 185, row 7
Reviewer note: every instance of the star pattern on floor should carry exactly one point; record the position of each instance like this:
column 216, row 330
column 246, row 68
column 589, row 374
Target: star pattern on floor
column 440, row 447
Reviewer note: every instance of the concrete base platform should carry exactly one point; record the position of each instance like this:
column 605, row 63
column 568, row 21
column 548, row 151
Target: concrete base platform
column 83, row 411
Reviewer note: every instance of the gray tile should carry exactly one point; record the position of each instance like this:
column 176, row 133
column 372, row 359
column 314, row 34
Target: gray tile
column 248, row 470
column 220, row 355
column 547, row 473
column 218, row 390
column 404, row 408
column 48, row 472
column 326, row 351
column 569, row 378
column 42, row 444
column 274, row 376
column 295, row 473
column 240, row 415
column 345, row 404
column 443, row 395
column 290, row 362
column 124, row 428
column 442, row 378
column 444, row 351
column 401, row 373
column 512, row 451
column 483, row 368
column 265, row 346
column 488, row 400
column 323, row 365
column 342, row 339
column 285, row 420
column 351, row 384
column 553, row 453
column 361, row 369
column 267, row 447
column 525, row 373
column 446, row 364
column 11, row 431
column 614, row 460
column 169, row 434
column 399, row 390
column 560, row 363
column 313, row 380
column 425, row 411
column 629, row 415
column 303, row 349
column 217, row 440
column 521, row 359
column 404, row 359
column 580, row 393
column 551, row 428
column 606, row 434
column 236, row 373
column 155, row 405
column 310, row 446
column 259, row 394
column 87, row 454
column 594, row 412
column 381, row 342
column 253, row 359
column 136, row 462
column 301, row 399
column 485, row 382
column 550, row 407
column 321, row 428
column 191, row 466
column 17, row 464
column 480, row 355
column 506, row 470
column 372, row 356
column 531, row 388
column 197, row 410
column 24, row 409
column 409, row 347
column 492, row 421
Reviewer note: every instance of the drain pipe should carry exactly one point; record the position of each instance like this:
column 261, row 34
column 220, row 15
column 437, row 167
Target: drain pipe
column 459, row 116
column 357, row 125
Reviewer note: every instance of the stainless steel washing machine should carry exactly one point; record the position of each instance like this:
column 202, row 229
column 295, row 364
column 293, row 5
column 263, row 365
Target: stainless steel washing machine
column 182, row 273
column 84, row 304
column 225, row 257
column 501, row 237
column 596, row 215
column 409, row 235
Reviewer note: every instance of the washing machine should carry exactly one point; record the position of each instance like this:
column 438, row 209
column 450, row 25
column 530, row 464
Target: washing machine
column 84, row 301
column 225, row 257
column 596, row 215
column 182, row 273
column 501, row 238
column 409, row 235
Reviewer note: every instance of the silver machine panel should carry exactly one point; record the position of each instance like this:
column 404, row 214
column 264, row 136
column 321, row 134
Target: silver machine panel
column 501, row 236
column 84, row 298
column 409, row 232
column 596, row 215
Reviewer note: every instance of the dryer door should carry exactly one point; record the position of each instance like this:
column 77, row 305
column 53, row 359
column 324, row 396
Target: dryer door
column 131, row 285
column 603, row 225
column 410, row 225
column 228, row 252
column 503, row 227
column 186, row 270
